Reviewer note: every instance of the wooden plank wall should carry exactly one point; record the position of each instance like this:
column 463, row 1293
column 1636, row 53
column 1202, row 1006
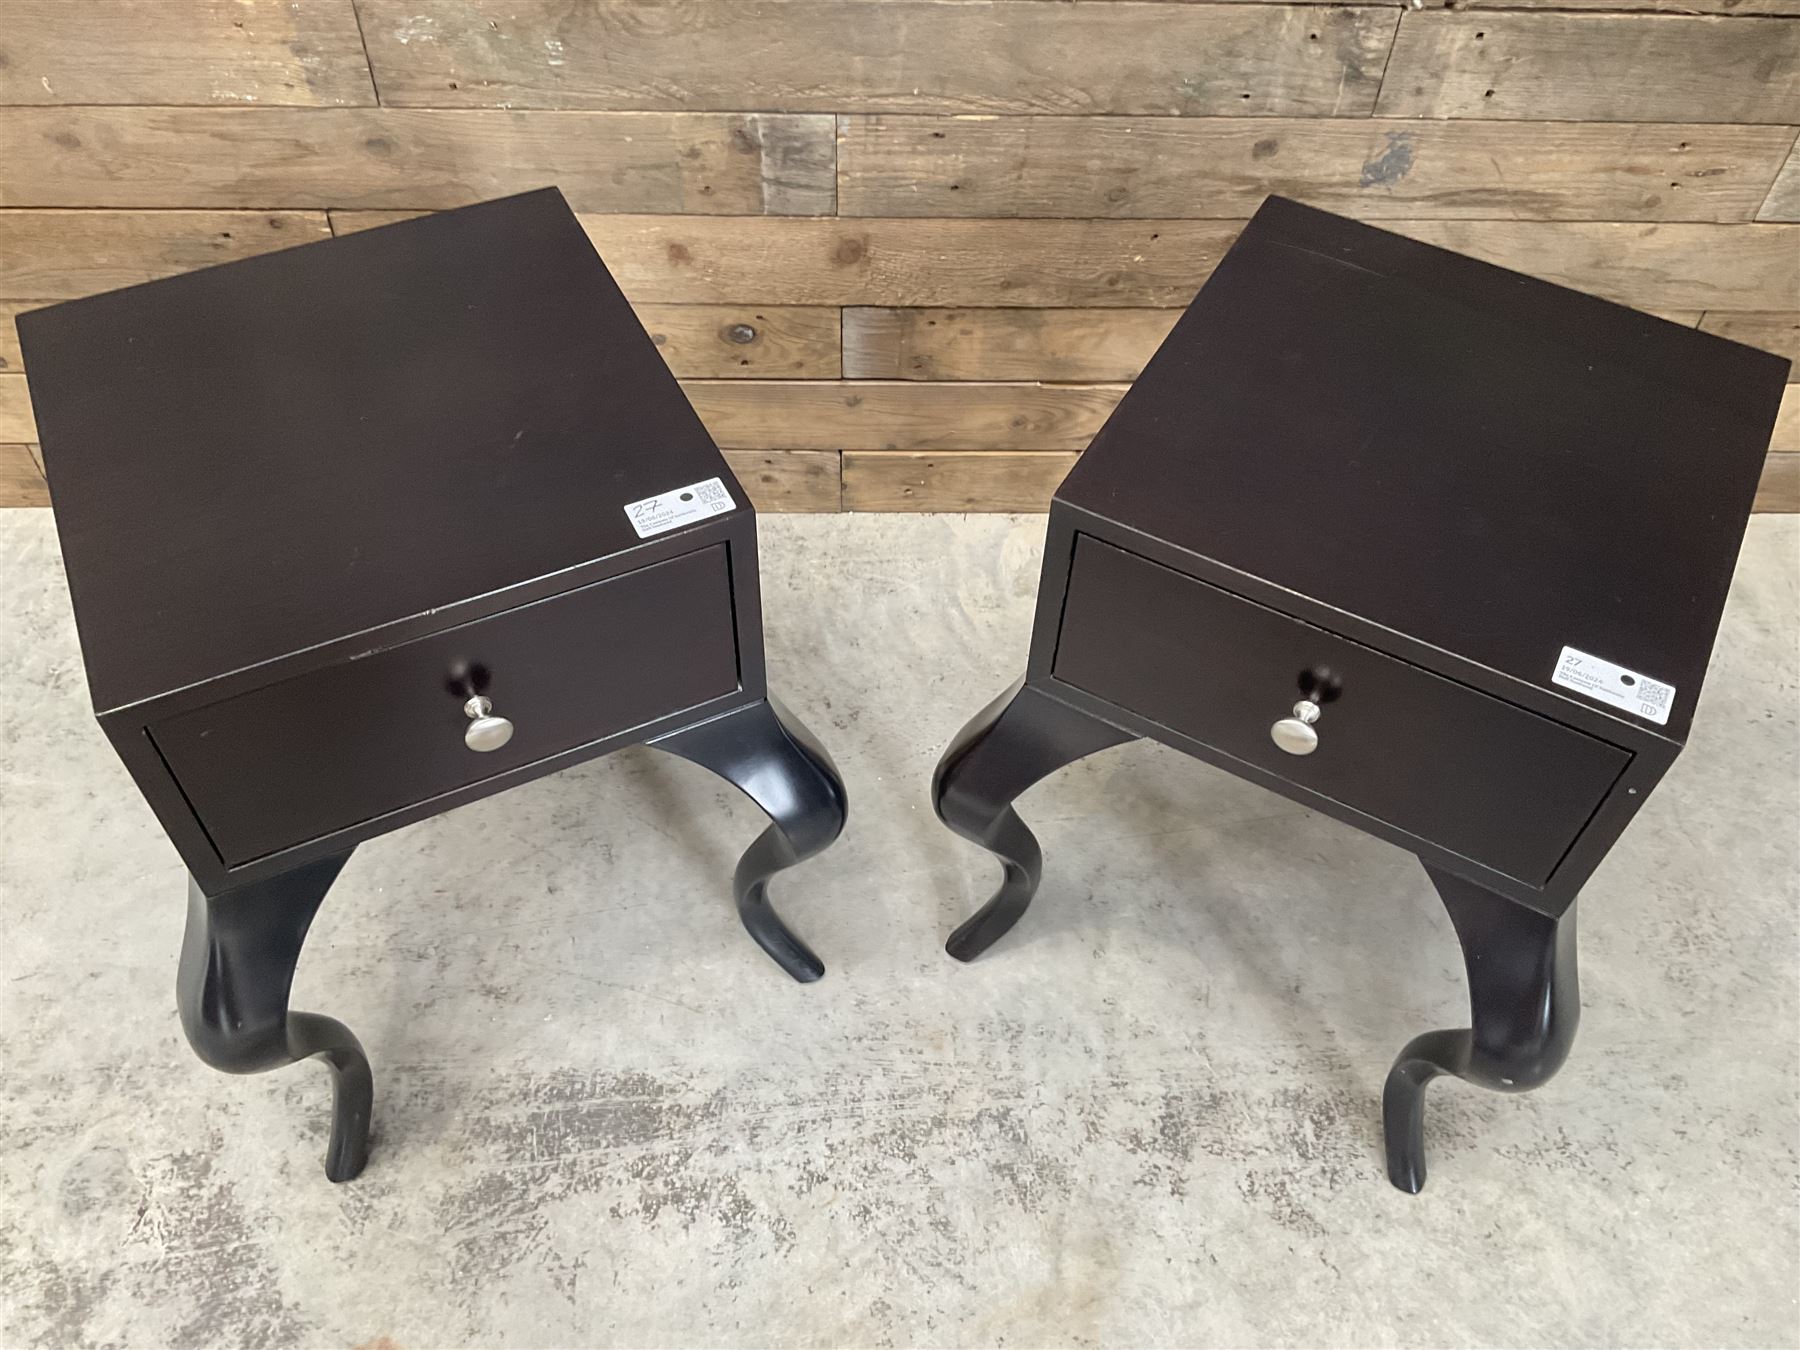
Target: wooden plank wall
column 906, row 254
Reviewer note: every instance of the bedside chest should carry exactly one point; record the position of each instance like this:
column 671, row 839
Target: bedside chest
column 1432, row 547
column 370, row 528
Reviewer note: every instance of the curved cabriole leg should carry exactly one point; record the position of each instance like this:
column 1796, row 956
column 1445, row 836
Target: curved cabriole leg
column 1524, row 1001
column 237, row 969
column 1020, row 737
column 765, row 751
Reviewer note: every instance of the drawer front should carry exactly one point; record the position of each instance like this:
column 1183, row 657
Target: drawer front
column 333, row 748
column 1428, row 756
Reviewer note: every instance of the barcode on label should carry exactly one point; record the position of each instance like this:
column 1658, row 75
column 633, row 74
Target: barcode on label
column 1615, row 685
column 681, row 506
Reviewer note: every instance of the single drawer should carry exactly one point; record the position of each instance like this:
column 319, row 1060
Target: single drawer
column 1424, row 754
column 336, row 747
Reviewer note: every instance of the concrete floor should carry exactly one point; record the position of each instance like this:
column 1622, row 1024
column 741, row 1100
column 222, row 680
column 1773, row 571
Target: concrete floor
column 1149, row 1117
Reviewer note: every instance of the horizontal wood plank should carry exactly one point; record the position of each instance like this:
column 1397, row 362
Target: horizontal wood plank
column 1671, row 267
column 1152, row 264
column 1002, row 344
column 729, row 163
column 1783, row 201
column 1779, row 490
column 305, row 52
column 1786, row 440
column 793, row 342
column 1593, row 67
column 883, row 480
column 760, row 414
column 1224, row 167
column 897, row 56
column 17, row 426
column 1778, row 332
column 932, row 263
column 21, row 483
column 354, row 222
column 11, row 359
column 54, row 255
column 788, row 480
column 710, row 259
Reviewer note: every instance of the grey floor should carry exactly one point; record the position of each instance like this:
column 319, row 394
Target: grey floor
column 1148, row 1118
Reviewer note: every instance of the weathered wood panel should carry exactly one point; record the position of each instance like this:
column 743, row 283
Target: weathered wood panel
column 354, row 222
column 732, row 163
column 1593, row 68
column 1783, row 202
column 1786, row 440
column 1671, row 267
column 789, row 260
column 20, row 482
column 53, row 255
column 182, row 51
column 11, row 360
column 1150, row 264
column 897, row 56
column 881, row 480
column 765, row 414
column 1779, row 489
column 788, row 480
column 747, row 341
column 1224, row 167
column 1778, row 333
column 17, row 426
column 1002, row 344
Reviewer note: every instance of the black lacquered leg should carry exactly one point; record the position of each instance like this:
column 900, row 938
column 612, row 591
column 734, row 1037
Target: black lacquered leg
column 1020, row 737
column 237, row 969
column 1524, row 1001
column 764, row 750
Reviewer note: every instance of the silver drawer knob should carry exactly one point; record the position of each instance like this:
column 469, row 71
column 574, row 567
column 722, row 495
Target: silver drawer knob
column 1295, row 734
column 486, row 732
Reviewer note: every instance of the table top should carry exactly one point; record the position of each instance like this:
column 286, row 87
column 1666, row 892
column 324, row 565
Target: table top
column 1487, row 463
column 260, row 457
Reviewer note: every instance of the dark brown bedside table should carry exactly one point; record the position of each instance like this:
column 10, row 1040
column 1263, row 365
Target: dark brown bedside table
column 1432, row 547
column 370, row 528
